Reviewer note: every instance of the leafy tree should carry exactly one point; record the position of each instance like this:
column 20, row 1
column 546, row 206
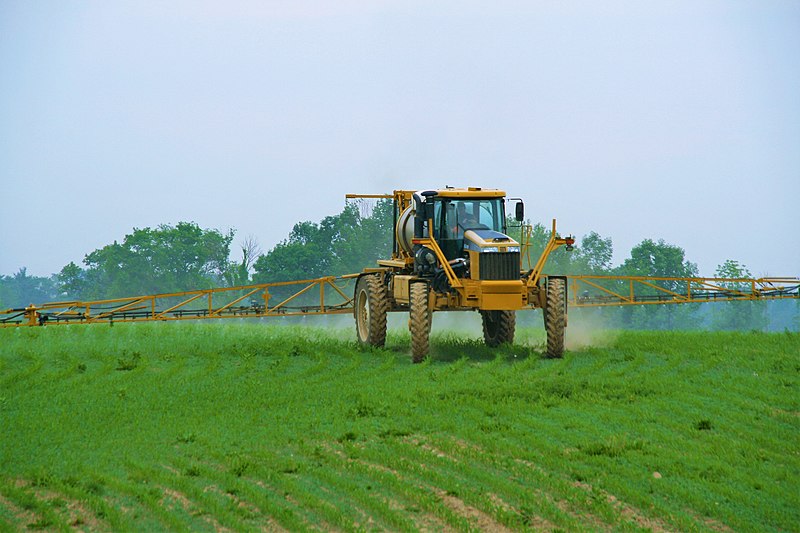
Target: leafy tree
column 366, row 241
column 20, row 289
column 149, row 261
column 596, row 253
column 733, row 269
column 339, row 244
column 236, row 274
column 72, row 281
column 591, row 256
column 658, row 259
column 304, row 255
column 744, row 315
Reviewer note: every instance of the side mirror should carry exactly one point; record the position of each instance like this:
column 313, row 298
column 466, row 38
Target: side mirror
column 520, row 211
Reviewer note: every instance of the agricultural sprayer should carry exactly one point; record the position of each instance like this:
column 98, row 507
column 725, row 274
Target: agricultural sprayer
column 451, row 251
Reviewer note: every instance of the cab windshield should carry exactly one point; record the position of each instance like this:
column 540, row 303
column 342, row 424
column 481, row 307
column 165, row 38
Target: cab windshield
column 453, row 216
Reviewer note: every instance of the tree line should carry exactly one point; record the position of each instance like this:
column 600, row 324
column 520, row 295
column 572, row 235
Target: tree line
column 174, row 258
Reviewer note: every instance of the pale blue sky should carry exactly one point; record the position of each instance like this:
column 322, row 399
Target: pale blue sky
column 673, row 120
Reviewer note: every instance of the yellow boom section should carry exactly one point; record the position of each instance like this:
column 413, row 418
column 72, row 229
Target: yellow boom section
column 599, row 291
column 227, row 302
column 254, row 300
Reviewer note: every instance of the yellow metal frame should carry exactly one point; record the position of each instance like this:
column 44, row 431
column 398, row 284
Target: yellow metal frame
column 160, row 307
column 533, row 277
column 589, row 291
column 402, row 200
column 584, row 291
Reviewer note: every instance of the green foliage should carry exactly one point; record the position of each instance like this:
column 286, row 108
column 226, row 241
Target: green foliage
column 591, row 256
column 596, row 253
column 222, row 427
column 339, row 244
column 127, row 361
column 738, row 315
column 72, row 281
column 20, row 289
column 149, row 261
column 733, row 269
column 658, row 259
column 237, row 274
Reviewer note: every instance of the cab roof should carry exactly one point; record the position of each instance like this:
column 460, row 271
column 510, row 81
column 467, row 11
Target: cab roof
column 447, row 192
column 469, row 192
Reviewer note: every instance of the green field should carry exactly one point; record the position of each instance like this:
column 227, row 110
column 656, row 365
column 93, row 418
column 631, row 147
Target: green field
column 246, row 426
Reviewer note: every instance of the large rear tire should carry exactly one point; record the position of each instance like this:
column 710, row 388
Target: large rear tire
column 498, row 327
column 371, row 304
column 419, row 322
column 555, row 317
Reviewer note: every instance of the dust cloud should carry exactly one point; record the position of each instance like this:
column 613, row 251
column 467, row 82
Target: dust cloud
column 587, row 329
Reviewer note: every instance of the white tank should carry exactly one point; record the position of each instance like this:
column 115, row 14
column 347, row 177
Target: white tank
column 405, row 229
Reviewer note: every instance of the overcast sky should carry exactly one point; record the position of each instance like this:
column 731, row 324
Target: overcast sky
column 674, row 120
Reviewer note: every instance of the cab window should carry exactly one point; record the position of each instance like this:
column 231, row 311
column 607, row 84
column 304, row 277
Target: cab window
column 455, row 216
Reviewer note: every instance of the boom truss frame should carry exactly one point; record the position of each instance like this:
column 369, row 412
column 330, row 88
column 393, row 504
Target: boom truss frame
column 223, row 302
column 604, row 291
column 227, row 302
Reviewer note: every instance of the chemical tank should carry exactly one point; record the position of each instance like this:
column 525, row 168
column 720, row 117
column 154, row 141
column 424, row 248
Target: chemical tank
column 405, row 229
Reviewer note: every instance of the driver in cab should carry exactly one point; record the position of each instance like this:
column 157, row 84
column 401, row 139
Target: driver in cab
column 462, row 222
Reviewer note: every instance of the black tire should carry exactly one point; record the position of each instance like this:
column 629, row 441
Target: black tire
column 555, row 317
column 370, row 305
column 419, row 322
column 498, row 327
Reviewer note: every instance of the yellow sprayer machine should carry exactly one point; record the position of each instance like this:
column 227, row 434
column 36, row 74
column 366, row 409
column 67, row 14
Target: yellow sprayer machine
column 452, row 252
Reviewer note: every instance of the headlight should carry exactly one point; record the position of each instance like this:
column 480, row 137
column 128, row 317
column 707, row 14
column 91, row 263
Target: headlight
column 512, row 249
column 489, row 249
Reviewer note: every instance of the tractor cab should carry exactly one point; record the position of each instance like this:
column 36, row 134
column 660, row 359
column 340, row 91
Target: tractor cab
column 458, row 221
column 468, row 226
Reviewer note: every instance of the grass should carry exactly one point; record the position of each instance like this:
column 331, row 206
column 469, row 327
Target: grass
column 246, row 426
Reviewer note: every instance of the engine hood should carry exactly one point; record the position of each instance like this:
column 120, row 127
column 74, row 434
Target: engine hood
column 478, row 239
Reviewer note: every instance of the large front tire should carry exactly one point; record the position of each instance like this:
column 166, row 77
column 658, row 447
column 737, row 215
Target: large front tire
column 498, row 327
column 419, row 322
column 371, row 304
column 555, row 317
